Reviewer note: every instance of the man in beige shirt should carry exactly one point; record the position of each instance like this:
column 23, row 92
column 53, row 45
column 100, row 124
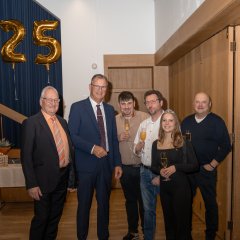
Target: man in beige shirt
column 128, row 121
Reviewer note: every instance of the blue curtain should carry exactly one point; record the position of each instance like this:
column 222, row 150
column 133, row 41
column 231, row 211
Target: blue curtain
column 30, row 77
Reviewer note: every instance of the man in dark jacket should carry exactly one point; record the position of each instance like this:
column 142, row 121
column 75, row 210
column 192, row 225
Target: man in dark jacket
column 46, row 154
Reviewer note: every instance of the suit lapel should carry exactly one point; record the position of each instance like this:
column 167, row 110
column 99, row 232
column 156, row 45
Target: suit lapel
column 46, row 128
column 90, row 112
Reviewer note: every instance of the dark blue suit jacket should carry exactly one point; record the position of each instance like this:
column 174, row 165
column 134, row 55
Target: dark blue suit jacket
column 85, row 134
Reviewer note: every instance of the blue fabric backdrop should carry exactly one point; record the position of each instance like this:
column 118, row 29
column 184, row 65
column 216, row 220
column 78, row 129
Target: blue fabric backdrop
column 30, row 77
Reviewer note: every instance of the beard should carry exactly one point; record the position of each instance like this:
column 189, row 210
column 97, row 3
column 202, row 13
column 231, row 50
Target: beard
column 152, row 112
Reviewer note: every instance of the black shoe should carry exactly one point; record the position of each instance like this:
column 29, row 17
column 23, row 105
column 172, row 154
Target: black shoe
column 131, row 236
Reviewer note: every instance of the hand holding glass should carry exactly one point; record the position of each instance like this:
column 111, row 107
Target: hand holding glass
column 164, row 163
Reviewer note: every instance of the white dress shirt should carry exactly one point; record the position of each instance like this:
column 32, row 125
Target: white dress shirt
column 152, row 130
column 94, row 106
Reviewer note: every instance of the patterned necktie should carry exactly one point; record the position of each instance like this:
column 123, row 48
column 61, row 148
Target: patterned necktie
column 101, row 127
column 58, row 141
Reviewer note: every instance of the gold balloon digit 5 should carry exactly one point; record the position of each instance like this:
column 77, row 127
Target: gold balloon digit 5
column 40, row 39
column 9, row 46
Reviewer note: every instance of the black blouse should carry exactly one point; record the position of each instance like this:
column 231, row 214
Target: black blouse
column 183, row 158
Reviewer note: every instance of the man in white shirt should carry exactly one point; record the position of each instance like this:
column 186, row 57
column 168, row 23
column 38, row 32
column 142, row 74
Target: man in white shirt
column 149, row 181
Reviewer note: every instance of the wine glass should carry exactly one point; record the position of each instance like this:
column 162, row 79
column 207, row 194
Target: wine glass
column 188, row 135
column 164, row 163
column 143, row 134
column 127, row 126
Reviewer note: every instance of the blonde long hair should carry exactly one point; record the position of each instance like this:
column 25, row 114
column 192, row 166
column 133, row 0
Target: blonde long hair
column 176, row 134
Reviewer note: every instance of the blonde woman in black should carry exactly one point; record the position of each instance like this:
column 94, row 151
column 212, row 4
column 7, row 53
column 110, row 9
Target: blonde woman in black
column 172, row 159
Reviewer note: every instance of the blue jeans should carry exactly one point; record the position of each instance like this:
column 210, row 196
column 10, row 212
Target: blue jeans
column 149, row 197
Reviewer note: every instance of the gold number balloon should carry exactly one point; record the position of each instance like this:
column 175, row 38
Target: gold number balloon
column 40, row 39
column 7, row 51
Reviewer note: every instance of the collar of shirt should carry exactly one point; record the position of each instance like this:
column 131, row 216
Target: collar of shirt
column 129, row 118
column 198, row 120
column 47, row 116
column 95, row 103
column 94, row 106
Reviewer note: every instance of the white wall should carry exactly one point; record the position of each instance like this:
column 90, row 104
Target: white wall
column 92, row 28
column 170, row 15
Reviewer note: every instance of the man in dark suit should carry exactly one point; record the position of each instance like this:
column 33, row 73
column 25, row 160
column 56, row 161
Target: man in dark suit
column 93, row 131
column 45, row 154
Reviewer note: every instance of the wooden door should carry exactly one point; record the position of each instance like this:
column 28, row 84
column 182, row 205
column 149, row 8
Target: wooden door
column 135, row 73
column 208, row 68
column 136, row 80
column 236, row 144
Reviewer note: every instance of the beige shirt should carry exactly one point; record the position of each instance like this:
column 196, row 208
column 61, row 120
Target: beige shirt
column 126, row 147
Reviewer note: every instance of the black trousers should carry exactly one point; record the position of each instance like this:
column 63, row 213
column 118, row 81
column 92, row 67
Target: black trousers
column 48, row 211
column 206, row 181
column 130, row 182
column 175, row 196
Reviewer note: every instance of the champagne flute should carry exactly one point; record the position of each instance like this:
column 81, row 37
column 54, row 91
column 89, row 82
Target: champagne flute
column 188, row 135
column 127, row 126
column 143, row 134
column 164, row 163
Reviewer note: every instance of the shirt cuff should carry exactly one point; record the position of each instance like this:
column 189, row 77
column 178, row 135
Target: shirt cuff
column 92, row 149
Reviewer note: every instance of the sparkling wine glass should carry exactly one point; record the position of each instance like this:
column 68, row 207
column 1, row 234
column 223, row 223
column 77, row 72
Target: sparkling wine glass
column 164, row 163
column 126, row 125
column 188, row 135
column 143, row 134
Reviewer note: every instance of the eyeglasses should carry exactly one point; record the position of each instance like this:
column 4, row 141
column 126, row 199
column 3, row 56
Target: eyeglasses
column 151, row 102
column 50, row 100
column 99, row 87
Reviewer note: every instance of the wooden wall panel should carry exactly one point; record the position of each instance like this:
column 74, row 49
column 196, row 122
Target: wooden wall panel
column 211, row 17
column 161, row 82
column 208, row 68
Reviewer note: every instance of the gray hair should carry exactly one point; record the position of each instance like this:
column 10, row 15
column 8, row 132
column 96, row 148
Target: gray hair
column 46, row 89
